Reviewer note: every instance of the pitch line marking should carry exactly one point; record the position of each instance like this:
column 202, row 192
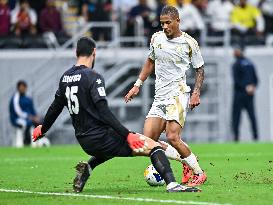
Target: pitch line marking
column 110, row 197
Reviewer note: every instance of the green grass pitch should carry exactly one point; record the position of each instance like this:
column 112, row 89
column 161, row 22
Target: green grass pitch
column 237, row 174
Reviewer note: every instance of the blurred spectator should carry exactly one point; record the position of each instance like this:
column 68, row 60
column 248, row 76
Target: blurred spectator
column 37, row 5
column 123, row 6
column 219, row 12
column 70, row 12
column 50, row 18
column 267, row 10
column 146, row 14
column 24, row 19
column 12, row 4
column 4, row 18
column 160, row 5
column 180, row 6
column 171, row 2
column 120, row 10
column 191, row 20
column 245, row 82
column 94, row 11
column 247, row 22
column 22, row 115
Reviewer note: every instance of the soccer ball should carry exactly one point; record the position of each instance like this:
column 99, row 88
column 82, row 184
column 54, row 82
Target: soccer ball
column 152, row 177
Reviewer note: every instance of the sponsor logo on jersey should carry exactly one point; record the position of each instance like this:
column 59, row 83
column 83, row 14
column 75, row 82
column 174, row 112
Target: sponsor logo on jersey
column 101, row 91
column 178, row 48
column 159, row 46
column 98, row 81
column 71, row 78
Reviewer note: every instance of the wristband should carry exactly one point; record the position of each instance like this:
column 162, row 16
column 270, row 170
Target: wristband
column 138, row 83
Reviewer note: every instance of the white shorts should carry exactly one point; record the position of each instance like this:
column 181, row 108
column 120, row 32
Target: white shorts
column 171, row 109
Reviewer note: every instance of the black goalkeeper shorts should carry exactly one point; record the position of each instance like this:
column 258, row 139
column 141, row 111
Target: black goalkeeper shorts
column 108, row 146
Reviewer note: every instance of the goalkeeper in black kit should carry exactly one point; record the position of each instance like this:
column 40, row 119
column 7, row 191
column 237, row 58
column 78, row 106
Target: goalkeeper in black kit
column 97, row 130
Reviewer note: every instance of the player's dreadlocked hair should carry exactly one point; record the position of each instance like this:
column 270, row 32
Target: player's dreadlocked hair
column 170, row 11
column 85, row 46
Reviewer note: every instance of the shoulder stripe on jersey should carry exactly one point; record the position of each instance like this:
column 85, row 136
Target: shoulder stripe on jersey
column 17, row 107
column 192, row 42
column 155, row 35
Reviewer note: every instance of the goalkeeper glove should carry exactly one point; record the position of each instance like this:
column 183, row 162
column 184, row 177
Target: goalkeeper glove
column 37, row 133
column 136, row 142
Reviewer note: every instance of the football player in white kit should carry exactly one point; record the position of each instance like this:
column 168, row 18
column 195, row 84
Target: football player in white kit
column 171, row 53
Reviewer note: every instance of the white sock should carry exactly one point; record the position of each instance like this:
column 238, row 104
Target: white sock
column 193, row 164
column 171, row 185
column 172, row 153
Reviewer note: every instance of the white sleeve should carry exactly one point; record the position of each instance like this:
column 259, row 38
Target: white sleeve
column 260, row 23
column 17, row 107
column 196, row 57
column 33, row 16
column 13, row 18
column 151, row 53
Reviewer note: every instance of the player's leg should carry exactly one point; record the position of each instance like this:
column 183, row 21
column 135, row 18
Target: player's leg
column 19, row 137
column 93, row 147
column 176, row 116
column 173, row 132
column 20, row 132
column 84, row 171
column 251, row 114
column 236, row 115
column 162, row 165
column 154, row 125
column 27, row 135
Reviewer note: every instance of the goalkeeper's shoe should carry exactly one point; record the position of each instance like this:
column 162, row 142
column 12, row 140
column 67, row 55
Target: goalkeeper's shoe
column 82, row 175
column 187, row 173
column 182, row 188
column 198, row 179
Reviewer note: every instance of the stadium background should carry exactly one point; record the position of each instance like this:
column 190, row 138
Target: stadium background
column 43, row 59
column 238, row 173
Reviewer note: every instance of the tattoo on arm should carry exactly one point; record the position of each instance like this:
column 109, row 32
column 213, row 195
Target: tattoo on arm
column 199, row 77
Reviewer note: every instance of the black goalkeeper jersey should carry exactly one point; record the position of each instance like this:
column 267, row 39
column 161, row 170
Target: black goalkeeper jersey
column 80, row 90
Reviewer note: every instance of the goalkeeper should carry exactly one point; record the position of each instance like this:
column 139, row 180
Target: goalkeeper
column 99, row 133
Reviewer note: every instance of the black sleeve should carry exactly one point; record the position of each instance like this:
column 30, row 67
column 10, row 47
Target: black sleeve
column 53, row 112
column 108, row 118
column 97, row 89
column 254, row 78
column 238, row 71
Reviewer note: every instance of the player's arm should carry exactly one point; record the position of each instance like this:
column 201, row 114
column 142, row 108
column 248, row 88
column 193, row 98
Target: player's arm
column 53, row 112
column 108, row 118
column 198, row 63
column 98, row 95
column 199, row 78
column 146, row 71
column 137, row 142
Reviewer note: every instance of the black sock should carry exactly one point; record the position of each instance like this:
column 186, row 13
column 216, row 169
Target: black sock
column 95, row 161
column 162, row 164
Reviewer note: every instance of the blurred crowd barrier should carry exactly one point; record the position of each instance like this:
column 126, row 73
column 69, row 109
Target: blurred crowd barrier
column 210, row 122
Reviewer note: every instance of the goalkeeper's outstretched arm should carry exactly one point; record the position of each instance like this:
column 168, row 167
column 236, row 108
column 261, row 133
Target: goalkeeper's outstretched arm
column 53, row 112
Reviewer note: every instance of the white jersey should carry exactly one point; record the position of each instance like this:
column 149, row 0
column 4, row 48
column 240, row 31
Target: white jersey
column 172, row 59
